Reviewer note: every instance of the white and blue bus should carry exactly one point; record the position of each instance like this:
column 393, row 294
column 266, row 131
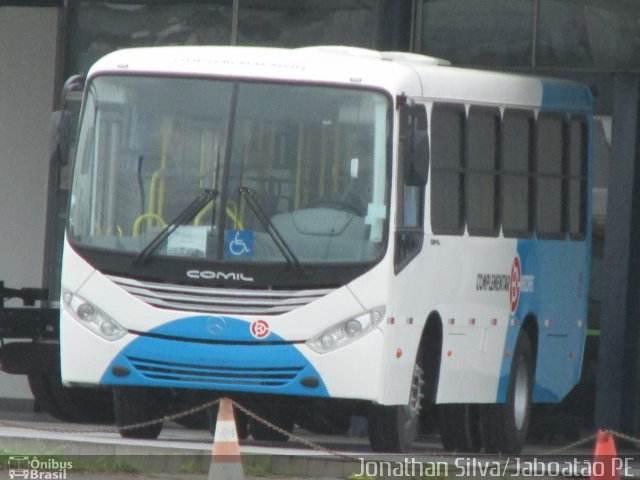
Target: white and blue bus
column 326, row 232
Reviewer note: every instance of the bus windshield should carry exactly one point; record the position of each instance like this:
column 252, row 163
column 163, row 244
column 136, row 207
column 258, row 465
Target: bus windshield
column 313, row 158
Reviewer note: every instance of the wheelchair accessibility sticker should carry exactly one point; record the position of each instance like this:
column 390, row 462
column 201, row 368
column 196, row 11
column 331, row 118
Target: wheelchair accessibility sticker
column 239, row 243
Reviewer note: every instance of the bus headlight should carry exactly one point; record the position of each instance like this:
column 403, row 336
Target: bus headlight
column 91, row 317
column 347, row 331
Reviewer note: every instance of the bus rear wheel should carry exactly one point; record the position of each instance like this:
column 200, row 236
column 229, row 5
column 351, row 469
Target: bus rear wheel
column 505, row 425
column 137, row 405
column 394, row 428
column 460, row 427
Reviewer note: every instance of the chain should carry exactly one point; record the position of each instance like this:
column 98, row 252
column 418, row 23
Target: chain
column 169, row 418
column 292, row 436
column 134, row 426
column 276, row 428
column 624, row 436
column 185, row 413
column 565, row 448
column 582, row 441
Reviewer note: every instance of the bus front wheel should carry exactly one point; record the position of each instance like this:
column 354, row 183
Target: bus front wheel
column 137, row 406
column 394, row 428
column 505, row 425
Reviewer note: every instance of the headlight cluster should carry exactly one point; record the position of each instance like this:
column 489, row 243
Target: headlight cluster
column 347, row 331
column 92, row 317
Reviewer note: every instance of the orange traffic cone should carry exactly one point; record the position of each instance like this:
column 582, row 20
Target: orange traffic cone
column 606, row 464
column 226, row 463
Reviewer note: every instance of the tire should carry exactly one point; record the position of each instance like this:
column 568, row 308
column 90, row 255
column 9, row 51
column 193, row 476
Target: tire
column 41, row 390
column 460, row 427
column 72, row 404
column 394, row 428
column 279, row 417
column 135, row 405
column 505, row 426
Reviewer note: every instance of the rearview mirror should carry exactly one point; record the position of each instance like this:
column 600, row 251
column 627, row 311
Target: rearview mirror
column 414, row 137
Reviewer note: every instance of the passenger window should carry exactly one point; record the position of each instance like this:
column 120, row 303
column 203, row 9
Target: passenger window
column 447, row 168
column 517, row 173
column 577, row 201
column 549, row 164
column 482, row 171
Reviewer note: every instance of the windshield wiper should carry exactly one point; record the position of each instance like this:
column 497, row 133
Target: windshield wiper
column 186, row 215
column 271, row 229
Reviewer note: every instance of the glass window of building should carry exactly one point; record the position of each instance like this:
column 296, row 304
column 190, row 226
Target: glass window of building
column 312, row 22
column 588, row 33
column 491, row 32
column 97, row 27
column 532, row 33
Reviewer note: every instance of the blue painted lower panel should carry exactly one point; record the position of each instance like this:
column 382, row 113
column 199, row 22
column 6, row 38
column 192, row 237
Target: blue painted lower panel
column 251, row 366
column 557, row 298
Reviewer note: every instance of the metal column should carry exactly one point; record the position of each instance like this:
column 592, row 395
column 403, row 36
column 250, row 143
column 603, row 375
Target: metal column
column 618, row 373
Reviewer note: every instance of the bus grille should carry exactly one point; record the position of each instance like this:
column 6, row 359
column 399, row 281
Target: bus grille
column 218, row 300
column 218, row 375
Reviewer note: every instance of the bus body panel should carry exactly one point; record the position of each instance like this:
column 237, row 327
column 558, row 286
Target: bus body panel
column 481, row 288
column 466, row 285
column 300, row 324
column 186, row 351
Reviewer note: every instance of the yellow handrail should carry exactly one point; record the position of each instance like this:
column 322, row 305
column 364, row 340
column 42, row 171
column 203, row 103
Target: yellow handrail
column 155, row 178
column 299, row 165
column 166, row 132
column 147, row 216
column 231, row 213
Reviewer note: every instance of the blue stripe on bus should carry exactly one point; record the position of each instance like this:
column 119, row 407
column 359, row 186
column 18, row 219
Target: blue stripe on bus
column 564, row 95
column 561, row 339
column 253, row 366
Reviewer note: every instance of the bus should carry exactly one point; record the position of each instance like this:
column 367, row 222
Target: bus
column 326, row 232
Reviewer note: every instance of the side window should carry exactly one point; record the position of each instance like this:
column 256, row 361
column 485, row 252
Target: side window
column 516, row 163
column 577, row 197
column 482, row 171
column 549, row 179
column 447, row 168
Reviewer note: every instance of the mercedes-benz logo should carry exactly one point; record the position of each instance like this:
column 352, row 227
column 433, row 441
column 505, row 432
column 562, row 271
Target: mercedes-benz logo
column 215, row 325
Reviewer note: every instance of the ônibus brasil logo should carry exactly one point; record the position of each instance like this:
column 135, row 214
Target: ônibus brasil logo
column 260, row 329
column 34, row 468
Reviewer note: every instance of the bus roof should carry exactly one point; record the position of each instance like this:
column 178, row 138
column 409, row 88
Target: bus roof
column 396, row 72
